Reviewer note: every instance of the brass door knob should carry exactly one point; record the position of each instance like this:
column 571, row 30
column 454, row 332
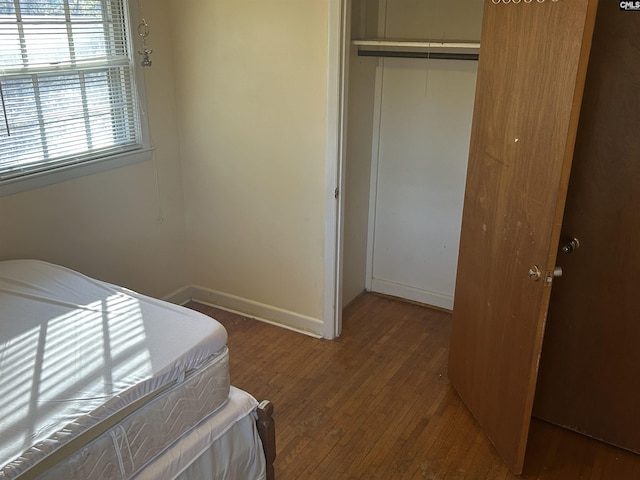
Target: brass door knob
column 570, row 246
column 535, row 273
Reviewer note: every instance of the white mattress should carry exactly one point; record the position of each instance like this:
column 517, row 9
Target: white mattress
column 226, row 446
column 124, row 449
column 75, row 351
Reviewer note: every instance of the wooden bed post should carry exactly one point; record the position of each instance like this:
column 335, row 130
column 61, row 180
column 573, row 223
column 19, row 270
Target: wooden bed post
column 267, row 431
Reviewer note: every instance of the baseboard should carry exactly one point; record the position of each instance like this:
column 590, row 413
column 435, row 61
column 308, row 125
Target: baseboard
column 426, row 297
column 180, row 296
column 259, row 311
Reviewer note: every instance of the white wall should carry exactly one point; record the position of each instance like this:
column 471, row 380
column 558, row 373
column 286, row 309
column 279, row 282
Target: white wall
column 106, row 224
column 362, row 75
column 237, row 104
column 238, row 120
column 425, row 114
column 252, row 96
column 433, row 19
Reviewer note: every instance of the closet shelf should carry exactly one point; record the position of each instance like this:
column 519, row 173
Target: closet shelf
column 417, row 49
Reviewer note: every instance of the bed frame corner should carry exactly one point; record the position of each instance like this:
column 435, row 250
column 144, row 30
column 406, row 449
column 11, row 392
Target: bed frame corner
column 267, row 431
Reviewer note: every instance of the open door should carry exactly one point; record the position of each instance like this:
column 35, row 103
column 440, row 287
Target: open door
column 590, row 361
column 531, row 73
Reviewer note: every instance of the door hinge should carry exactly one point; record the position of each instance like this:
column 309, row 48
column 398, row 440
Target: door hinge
column 336, row 193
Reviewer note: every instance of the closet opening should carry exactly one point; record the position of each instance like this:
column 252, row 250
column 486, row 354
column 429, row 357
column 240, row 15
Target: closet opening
column 409, row 96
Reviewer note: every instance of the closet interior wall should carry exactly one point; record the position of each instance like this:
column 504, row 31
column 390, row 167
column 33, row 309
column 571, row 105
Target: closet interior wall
column 408, row 127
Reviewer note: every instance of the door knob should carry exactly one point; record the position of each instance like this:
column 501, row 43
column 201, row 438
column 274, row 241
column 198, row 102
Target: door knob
column 570, row 246
column 535, row 273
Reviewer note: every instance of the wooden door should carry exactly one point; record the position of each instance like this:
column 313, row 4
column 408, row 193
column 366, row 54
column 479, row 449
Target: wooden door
column 590, row 364
column 531, row 73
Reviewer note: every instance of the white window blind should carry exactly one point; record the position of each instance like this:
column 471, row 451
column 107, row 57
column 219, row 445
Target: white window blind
column 67, row 86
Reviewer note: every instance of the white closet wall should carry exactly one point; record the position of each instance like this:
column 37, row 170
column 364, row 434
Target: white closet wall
column 361, row 93
column 425, row 124
column 420, row 126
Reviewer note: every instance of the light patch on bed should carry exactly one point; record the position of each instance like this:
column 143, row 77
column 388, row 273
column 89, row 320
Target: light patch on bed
column 74, row 351
column 72, row 358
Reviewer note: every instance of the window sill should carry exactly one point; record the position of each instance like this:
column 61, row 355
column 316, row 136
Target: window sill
column 42, row 179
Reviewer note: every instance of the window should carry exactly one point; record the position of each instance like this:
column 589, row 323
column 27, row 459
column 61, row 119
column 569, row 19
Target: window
column 68, row 95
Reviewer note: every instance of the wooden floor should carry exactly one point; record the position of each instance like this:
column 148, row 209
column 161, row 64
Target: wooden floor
column 377, row 404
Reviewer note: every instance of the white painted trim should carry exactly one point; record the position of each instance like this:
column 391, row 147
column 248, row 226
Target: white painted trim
column 337, row 46
column 247, row 308
column 375, row 161
column 32, row 181
column 258, row 311
column 375, row 149
column 436, row 299
column 180, row 296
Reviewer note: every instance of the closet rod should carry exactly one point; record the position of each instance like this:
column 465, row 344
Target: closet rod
column 435, row 55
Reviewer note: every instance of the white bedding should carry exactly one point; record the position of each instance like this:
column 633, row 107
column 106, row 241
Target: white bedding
column 123, row 450
column 74, row 351
column 226, row 446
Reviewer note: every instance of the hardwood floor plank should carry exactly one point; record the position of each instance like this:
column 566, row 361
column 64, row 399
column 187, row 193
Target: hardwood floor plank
column 376, row 403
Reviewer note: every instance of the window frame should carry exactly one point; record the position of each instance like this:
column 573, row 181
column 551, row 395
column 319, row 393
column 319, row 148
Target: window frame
column 97, row 163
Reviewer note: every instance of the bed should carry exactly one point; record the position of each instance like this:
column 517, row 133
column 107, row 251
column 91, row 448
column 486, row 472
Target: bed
column 100, row 382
